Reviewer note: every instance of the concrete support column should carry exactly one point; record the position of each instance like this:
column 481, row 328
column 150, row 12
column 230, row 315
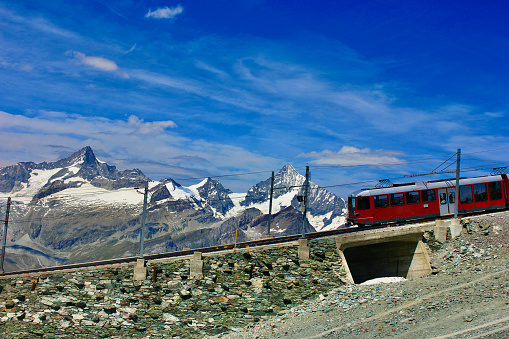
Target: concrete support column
column 421, row 262
column 303, row 250
column 344, row 263
column 140, row 270
column 440, row 231
column 455, row 227
column 196, row 266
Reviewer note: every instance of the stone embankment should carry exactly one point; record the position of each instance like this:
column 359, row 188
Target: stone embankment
column 237, row 289
column 271, row 294
column 466, row 296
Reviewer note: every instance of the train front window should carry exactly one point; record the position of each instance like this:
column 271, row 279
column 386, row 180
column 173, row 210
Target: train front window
column 495, row 190
column 413, row 198
column 381, row 201
column 351, row 206
column 480, row 193
column 363, row 203
column 397, row 199
column 466, row 194
column 428, row 195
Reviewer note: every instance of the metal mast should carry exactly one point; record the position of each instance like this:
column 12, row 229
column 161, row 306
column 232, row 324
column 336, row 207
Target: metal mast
column 5, row 232
column 270, row 203
column 143, row 218
column 456, row 202
column 306, row 190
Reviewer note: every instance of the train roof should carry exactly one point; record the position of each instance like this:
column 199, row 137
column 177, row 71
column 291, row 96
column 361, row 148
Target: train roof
column 423, row 185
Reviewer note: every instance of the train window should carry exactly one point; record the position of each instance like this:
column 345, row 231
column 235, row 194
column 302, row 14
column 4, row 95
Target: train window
column 428, row 195
column 495, row 190
column 480, row 193
column 466, row 194
column 413, row 198
column 381, row 201
column 397, row 199
column 363, row 203
column 443, row 198
column 451, row 198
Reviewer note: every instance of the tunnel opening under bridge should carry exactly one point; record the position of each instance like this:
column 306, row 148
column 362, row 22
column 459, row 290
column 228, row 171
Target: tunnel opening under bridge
column 384, row 256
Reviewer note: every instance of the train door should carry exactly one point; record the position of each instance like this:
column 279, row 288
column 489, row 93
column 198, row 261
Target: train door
column 446, row 197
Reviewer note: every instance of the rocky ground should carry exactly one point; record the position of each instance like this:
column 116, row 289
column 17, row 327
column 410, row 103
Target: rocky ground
column 466, row 296
column 271, row 294
column 237, row 289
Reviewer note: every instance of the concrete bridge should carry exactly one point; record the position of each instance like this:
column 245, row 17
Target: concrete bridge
column 392, row 251
column 382, row 252
column 365, row 254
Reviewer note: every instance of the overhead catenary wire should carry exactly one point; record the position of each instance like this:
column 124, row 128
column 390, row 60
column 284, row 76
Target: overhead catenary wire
column 68, row 197
column 200, row 201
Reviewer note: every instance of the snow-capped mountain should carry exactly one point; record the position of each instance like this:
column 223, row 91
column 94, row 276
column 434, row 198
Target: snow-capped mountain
column 80, row 208
column 28, row 180
column 326, row 210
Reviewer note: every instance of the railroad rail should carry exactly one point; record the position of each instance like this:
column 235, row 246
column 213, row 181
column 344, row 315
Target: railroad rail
column 221, row 248
column 211, row 249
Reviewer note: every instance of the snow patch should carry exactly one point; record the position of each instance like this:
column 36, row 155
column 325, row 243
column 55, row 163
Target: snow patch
column 88, row 193
column 38, row 178
column 179, row 193
column 74, row 169
column 384, row 280
column 74, row 179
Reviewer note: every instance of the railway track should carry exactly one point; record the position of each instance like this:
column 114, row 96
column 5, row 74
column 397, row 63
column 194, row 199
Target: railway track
column 211, row 249
column 220, row 248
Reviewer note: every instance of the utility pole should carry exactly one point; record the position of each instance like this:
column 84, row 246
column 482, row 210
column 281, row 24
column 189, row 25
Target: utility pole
column 456, row 202
column 306, row 189
column 143, row 218
column 270, row 203
column 5, row 232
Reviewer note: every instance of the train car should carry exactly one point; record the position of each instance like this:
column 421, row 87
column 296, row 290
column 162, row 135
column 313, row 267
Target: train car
column 426, row 200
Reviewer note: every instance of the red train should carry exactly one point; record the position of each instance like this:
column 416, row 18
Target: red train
column 423, row 200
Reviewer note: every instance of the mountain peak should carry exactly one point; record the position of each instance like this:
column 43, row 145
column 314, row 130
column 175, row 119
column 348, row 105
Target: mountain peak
column 289, row 169
column 84, row 156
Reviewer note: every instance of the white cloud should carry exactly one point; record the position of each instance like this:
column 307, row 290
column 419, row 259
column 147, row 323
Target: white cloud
column 351, row 156
column 154, row 127
column 131, row 143
column 165, row 12
column 100, row 63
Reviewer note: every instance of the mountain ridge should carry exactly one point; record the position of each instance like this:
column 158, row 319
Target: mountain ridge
column 79, row 204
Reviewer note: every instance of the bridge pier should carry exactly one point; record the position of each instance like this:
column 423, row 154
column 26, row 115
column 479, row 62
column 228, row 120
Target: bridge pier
column 303, row 250
column 442, row 226
column 196, row 266
column 140, row 270
column 387, row 253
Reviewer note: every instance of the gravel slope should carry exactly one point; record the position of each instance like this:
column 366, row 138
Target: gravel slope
column 467, row 296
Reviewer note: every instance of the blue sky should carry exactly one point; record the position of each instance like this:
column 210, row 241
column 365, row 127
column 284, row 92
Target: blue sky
column 198, row 88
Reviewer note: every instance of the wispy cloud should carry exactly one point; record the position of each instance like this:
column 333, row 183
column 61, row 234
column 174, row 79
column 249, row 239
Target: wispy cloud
column 130, row 49
column 16, row 66
column 38, row 23
column 100, row 63
column 351, row 156
column 165, row 12
column 495, row 114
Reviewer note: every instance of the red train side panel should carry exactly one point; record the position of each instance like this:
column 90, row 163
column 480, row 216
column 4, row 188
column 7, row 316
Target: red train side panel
column 424, row 200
